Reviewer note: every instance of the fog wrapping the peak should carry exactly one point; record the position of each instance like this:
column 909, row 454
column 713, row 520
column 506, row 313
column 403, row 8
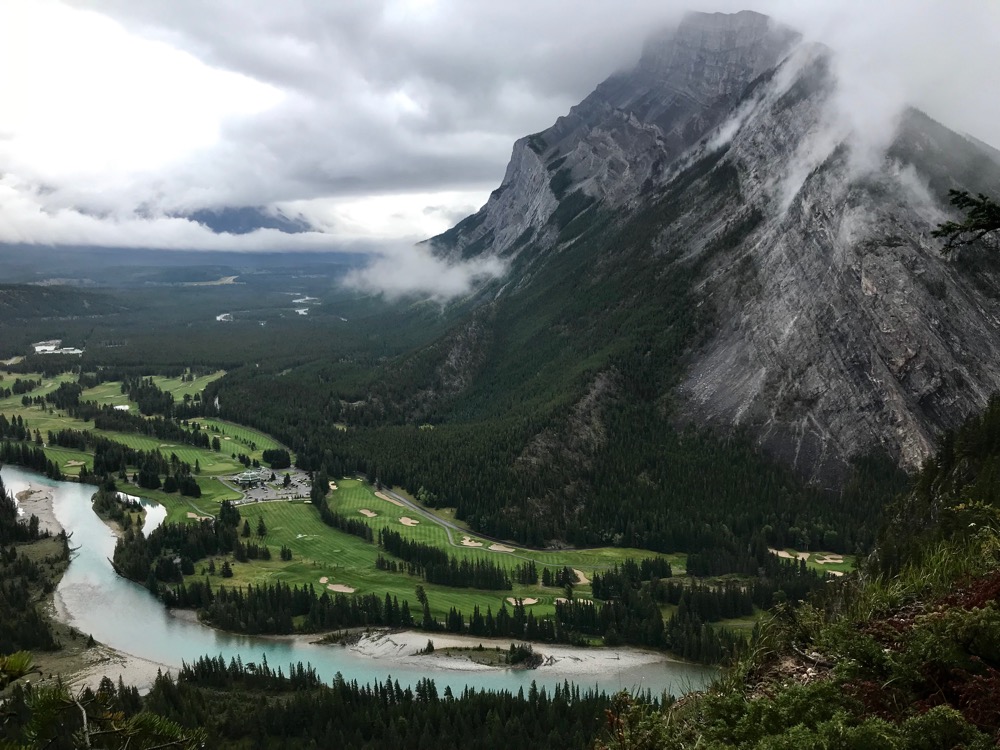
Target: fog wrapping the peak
column 399, row 271
column 379, row 121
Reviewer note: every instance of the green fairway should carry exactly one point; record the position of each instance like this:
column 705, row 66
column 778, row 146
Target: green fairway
column 212, row 463
column 213, row 492
column 322, row 552
column 48, row 385
column 69, row 460
column 354, row 495
column 111, row 392
column 45, row 418
column 829, row 562
column 180, row 388
column 42, row 418
column 107, row 394
column 239, row 439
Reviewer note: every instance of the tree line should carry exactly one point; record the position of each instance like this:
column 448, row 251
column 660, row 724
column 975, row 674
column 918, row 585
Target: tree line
column 237, row 705
column 437, row 566
column 25, row 580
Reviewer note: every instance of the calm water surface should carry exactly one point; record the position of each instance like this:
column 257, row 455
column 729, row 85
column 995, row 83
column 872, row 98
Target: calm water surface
column 125, row 616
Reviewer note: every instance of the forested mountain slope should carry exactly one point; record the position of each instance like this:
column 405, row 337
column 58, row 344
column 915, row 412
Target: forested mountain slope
column 903, row 656
column 700, row 242
column 835, row 325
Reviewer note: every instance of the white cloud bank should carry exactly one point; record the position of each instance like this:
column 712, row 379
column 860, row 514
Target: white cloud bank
column 376, row 121
column 411, row 270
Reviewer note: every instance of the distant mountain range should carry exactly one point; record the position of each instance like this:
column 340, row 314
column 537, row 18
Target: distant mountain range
column 246, row 219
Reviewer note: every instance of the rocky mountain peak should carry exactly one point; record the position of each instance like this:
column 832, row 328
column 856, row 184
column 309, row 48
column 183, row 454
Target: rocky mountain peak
column 715, row 53
column 838, row 327
column 627, row 132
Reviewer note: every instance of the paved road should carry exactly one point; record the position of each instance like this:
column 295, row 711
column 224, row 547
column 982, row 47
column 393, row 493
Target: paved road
column 450, row 526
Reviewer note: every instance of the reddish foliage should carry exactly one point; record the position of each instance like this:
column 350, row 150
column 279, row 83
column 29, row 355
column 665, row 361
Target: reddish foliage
column 888, row 632
column 976, row 593
column 886, row 703
column 978, row 698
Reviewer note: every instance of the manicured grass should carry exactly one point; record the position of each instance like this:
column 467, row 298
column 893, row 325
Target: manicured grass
column 212, row 463
column 242, row 439
column 43, row 418
column 320, row 551
column 48, row 385
column 110, row 392
column 812, row 562
column 213, row 492
column 63, row 456
column 180, row 388
column 744, row 624
column 353, row 495
column 107, row 393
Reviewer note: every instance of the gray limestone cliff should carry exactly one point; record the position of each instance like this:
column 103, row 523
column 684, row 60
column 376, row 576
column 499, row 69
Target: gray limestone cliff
column 838, row 327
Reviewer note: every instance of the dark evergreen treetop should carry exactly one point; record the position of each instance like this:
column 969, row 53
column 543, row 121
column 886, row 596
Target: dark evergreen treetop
column 981, row 222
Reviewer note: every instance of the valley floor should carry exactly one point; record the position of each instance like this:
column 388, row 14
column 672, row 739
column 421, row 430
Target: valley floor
column 79, row 667
column 407, row 647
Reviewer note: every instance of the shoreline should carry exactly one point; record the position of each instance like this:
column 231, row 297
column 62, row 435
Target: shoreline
column 81, row 667
column 86, row 667
column 37, row 501
column 406, row 646
column 379, row 645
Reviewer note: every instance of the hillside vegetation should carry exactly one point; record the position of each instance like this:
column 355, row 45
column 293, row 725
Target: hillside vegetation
column 905, row 655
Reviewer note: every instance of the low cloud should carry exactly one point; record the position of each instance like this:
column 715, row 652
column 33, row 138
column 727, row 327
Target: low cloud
column 412, row 271
column 25, row 218
column 126, row 111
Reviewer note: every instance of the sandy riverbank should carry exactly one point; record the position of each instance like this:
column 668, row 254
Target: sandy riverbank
column 107, row 662
column 382, row 647
column 37, row 501
column 79, row 666
column 403, row 647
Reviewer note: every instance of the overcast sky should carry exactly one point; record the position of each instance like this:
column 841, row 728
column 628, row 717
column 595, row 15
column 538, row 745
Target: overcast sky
column 378, row 121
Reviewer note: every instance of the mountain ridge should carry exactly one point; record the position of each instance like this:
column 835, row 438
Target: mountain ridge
column 829, row 387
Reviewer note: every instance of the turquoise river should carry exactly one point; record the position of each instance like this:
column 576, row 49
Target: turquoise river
column 126, row 617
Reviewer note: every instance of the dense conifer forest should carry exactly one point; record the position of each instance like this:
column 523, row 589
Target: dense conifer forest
column 25, row 580
column 236, row 705
column 903, row 656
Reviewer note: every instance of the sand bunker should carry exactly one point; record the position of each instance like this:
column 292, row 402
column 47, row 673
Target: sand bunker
column 829, row 560
column 580, row 577
column 394, row 501
column 333, row 485
column 526, row 602
column 501, row 548
column 837, row 573
column 367, row 513
column 406, row 521
column 70, row 464
column 340, row 588
column 324, row 579
column 227, row 438
column 787, row 556
column 470, row 542
column 564, row 600
column 196, row 517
